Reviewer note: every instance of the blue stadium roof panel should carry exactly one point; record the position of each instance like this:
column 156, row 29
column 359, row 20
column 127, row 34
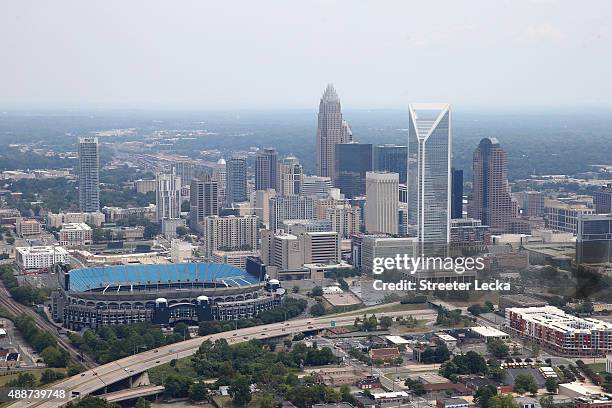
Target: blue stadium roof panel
column 85, row 279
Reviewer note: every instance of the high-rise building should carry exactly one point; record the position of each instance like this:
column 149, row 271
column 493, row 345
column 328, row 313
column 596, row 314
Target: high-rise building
column 266, row 167
column 429, row 165
column 219, row 174
column 533, row 204
column 560, row 216
column 236, row 183
column 229, row 233
column 204, row 199
column 353, row 161
column 490, row 201
column 316, row 186
column 602, row 200
column 290, row 176
column 292, row 207
column 331, row 130
column 594, row 239
column 456, row 194
column 167, row 197
column 89, row 175
column 345, row 219
column 185, row 169
column 382, row 202
column 391, row 158
column 260, row 203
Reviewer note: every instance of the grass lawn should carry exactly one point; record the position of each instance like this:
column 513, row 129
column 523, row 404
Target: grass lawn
column 182, row 367
column 225, row 401
column 599, row 368
column 4, row 377
column 394, row 307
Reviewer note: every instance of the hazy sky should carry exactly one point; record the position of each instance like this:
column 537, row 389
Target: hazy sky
column 258, row 53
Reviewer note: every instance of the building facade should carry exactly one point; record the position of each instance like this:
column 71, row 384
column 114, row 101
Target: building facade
column 229, row 233
column 38, row 257
column 456, row 194
column 290, row 176
column 89, row 175
column 391, row 158
column 204, row 199
column 167, row 197
column 352, row 162
column 266, row 169
column 291, row 207
column 381, row 215
column 594, row 239
column 236, row 182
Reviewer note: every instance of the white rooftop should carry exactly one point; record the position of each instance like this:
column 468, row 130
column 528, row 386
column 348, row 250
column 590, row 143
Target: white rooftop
column 41, row 250
column 397, row 340
column 556, row 318
column 487, row 331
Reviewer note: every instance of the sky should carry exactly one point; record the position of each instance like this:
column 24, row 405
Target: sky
column 281, row 54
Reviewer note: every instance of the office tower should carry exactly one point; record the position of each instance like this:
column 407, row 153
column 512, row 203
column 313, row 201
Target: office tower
column 260, row 202
column 185, row 169
column 352, row 162
column 381, row 214
column 429, row 164
column 533, row 204
column 266, row 166
column 219, row 174
column 594, row 239
column 345, row 219
column 229, row 233
column 490, row 201
column 316, row 186
column 291, row 252
column 331, row 130
column 456, row 194
column 292, row 207
column 403, row 196
column 560, row 216
column 236, row 183
column 203, row 200
column 391, row 158
column 402, row 213
column 602, row 200
column 167, row 196
column 290, row 175
column 89, row 175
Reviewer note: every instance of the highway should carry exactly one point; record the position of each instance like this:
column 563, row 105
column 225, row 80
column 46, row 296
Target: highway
column 98, row 378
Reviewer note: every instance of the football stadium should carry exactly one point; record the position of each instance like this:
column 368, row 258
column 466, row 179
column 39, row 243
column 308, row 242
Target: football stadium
column 163, row 294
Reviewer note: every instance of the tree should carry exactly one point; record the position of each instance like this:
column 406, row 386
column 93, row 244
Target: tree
column 525, row 383
column 498, row 348
column 177, row 385
column 385, row 322
column 49, row 376
column 240, row 390
column 484, row 394
column 23, row 380
column 317, row 309
column 142, row 403
column 267, row 401
column 415, row 386
column 317, row 291
column 551, row 385
column 489, row 305
column 502, row 401
column 547, row 401
column 182, row 329
column 475, row 309
column 295, row 289
column 198, row 392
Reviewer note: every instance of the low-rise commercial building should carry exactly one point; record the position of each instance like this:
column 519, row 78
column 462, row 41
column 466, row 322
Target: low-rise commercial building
column 27, row 227
column 38, row 257
column 75, row 235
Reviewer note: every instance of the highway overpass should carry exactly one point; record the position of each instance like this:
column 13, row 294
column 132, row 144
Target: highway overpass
column 100, row 377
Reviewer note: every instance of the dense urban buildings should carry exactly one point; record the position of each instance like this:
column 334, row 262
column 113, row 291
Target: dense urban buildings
column 236, row 180
column 316, row 186
column 381, row 214
column 429, row 165
column 185, row 169
column 560, row 216
column 229, row 233
column 266, row 168
column 331, row 130
column 352, row 162
column 490, row 201
column 391, row 158
column 602, row 200
column 291, row 207
column 89, row 176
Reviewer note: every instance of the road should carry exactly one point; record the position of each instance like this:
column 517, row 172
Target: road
column 19, row 310
column 99, row 377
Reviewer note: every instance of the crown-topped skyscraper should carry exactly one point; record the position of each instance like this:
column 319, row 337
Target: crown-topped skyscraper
column 331, row 130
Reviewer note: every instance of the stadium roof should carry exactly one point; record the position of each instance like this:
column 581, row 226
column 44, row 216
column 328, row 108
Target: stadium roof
column 86, row 279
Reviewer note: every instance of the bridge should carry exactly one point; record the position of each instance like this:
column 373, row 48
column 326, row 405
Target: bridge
column 133, row 393
column 101, row 377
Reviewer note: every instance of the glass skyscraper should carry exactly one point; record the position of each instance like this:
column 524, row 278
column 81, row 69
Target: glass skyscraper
column 429, row 165
column 353, row 161
column 236, row 180
column 391, row 158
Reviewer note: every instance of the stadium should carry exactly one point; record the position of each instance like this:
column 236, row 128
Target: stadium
column 163, row 294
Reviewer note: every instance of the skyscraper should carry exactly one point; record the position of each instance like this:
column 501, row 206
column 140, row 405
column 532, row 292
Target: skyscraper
column 219, row 174
column 381, row 213
column 456, row 194
column 490, row 201
column 291, row 176
column 266, row 167
column 331, row 130
column 89, row 175
column 316, row 186
column 185, row 169
column 291, row 207
column 203, row 200
column 594, row 239
column 429, row 165
column 602, row 200
column 391, row 158
column 352, row 162
column 167, row 196
column 236, row 183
